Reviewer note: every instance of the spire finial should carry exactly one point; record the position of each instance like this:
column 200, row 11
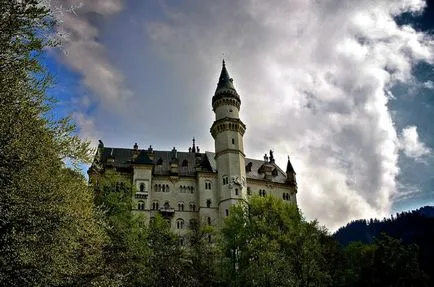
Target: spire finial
column 194, row 145
column 223, row 63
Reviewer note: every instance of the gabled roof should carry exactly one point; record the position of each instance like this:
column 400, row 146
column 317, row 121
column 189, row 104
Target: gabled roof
column 124, row 158
column 254, row 170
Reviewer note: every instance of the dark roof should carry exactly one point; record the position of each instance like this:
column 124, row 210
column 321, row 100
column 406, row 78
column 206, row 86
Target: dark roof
column 289, row 168
column 123, row 158
column 254, row 171
column 225, row 85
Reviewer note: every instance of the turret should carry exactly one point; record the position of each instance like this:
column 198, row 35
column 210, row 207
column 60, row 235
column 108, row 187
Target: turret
column 228, row 131
column 290, row 174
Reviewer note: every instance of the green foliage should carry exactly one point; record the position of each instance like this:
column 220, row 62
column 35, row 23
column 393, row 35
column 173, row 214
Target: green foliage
column 50, row 232
column 127, row 255
column 385, row 262
column 266, row 242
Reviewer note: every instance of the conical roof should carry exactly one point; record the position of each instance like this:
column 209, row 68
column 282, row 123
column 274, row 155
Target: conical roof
column 225, row 84
column 289, row 168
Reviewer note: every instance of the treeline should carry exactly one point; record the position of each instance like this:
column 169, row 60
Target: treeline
column 56, row 230
column 411, row 227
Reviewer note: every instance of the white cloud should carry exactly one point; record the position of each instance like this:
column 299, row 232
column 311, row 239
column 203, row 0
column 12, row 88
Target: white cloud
column 314, row 79
column 410, row 144
column 429, row 84
column 87, row 56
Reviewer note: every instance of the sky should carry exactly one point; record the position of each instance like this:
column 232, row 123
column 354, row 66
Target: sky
column 343, row 87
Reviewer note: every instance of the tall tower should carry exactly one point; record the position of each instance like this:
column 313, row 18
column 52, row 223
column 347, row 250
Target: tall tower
column 227, row 131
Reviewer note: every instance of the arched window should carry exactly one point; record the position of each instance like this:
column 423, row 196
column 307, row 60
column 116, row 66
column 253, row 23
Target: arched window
column 181, row 206
column 209, row 220
column 274, row 172
column 160, row 161
column 180, row 223
column 184, row 163
column 193, row 223
column 249, row 192
column 156, row 188
column 208, row 203
column 236, row 191
column 167, row 188
column 141, row 205
column 181, row 241
column 155, row 205
column 207, row 185
column 142, row 187
column 225, row 180
column 262, row 192
column 192, row 206
column 163, row 188
column 166, row 205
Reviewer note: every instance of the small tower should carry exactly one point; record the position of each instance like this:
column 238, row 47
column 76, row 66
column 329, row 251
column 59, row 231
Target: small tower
column 227, row 131
column 290, row 175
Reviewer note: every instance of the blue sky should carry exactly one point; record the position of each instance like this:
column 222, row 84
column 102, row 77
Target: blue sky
column 346, row 88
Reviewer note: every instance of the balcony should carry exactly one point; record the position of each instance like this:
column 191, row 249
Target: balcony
column 141, row 195
column 167, row 211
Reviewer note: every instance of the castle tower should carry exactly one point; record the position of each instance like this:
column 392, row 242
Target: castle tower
column 227, row 131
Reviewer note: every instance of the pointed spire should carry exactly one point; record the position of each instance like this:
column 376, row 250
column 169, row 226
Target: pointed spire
column 225, row 83
column 289, row 168
column 194, row 146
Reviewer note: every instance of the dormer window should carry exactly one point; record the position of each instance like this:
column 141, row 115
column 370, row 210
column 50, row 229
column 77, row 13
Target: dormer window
column 249, row 167
column 274, row 172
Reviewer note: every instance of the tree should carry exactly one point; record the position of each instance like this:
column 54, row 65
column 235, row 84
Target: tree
column 127, row 255
column 385, row 262
column 50, row 232
column 266, row 242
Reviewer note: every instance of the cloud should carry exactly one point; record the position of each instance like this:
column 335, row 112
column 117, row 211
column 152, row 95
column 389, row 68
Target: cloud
column 410, row 144
column 314, row 78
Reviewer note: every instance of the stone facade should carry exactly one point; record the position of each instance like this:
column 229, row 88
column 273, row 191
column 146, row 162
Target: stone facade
column 193, row 187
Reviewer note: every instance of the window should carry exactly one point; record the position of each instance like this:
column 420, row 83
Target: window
column 209, row 220
column 207, row 185
column 155, row 205
column 141, row 205
column 236, row 191
column 225, row 180
column 249, row 167
column 208, row 203
column 192, row 206
column 227, row 212
column 160, row 161
column 184, row 163
column 286, row 196
column 274, row 172
column 233, row 141
column 142, row 187
column 193, row 223
column 249, row 192
column 209, row 238
column 262, row 192
column 181, row 241
column 179, row 223
column 180, row 206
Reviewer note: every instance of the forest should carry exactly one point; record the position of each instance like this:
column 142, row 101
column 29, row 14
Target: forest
column 57, row 230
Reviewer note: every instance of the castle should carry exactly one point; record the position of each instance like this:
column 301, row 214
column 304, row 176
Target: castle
column 191, row 187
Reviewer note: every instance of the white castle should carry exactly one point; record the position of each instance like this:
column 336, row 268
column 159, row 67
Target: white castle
column 191, row 187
